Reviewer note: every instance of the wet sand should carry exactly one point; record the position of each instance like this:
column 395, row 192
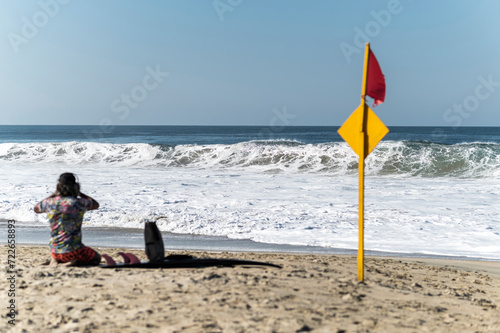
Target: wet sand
column 311, row 293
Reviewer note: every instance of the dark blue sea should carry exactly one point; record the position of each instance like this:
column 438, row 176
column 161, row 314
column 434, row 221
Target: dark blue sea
column 203, row 135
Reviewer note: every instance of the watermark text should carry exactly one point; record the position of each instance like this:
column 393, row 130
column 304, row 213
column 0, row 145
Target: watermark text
column 32, row 25
column 458, row 112
column 223, row 6
column 363, row 35
column 277, row 123
column 130, row 100
column 11, row 272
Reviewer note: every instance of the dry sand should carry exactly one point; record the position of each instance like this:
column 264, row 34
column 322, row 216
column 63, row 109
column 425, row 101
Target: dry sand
column 311, row 293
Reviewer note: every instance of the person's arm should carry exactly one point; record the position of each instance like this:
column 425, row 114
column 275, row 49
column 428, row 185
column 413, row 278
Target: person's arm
column 95, row 204
column 38, row 206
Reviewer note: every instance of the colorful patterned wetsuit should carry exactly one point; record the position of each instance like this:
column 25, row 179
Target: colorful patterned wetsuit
column 65, row 216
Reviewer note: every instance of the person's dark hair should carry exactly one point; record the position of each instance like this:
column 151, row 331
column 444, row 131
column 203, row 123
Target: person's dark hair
column 67, row 185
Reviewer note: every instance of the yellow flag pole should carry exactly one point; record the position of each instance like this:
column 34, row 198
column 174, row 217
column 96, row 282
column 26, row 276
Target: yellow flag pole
column 362, row 131
column 361, row 171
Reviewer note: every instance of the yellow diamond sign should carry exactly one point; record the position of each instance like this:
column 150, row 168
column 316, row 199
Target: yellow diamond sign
column 352, row 130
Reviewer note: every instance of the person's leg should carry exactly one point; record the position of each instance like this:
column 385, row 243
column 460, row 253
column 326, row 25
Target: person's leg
column 59, row 258
column 69, row 263
column 85, row 256
column 89, row 256
column 65, row 259
column 53, row 262
column 96, row 261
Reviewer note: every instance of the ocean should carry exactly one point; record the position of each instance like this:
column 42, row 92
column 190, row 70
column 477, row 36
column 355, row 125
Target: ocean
column 428, row 190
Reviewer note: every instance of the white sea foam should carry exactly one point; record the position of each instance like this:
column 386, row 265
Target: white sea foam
column 440, row 215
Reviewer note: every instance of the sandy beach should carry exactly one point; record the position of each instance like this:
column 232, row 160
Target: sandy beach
column 311, row 293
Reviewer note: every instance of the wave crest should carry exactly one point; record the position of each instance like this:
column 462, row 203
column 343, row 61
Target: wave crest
column 397, row 158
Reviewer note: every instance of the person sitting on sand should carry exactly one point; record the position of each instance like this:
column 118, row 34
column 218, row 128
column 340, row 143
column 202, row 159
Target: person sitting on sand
column 65, row 209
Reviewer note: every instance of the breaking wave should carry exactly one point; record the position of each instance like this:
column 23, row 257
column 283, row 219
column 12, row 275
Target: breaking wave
column 396, row 158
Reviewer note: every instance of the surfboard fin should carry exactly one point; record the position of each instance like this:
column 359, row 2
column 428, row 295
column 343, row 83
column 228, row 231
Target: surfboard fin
column 133, row 259
column 109, row 260
column 129, row 258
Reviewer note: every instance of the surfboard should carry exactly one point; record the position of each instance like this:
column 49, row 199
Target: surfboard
column 156, row 255
column 179, row 261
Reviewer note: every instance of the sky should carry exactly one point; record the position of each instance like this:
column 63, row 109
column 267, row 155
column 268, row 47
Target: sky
column 247, row 62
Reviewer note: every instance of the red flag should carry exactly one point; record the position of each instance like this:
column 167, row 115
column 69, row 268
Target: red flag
column 375, row 81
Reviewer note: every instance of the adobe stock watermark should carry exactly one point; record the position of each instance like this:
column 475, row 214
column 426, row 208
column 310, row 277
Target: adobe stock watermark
column 460, row 111
column 381, row 19
column 11, row 271
column 121, row 106
column 277, row 123
column 31, row 25
column 471, row 103
column 223, row 6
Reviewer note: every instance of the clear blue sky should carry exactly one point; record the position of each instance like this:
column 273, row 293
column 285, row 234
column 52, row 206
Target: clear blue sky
column 241, row 62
